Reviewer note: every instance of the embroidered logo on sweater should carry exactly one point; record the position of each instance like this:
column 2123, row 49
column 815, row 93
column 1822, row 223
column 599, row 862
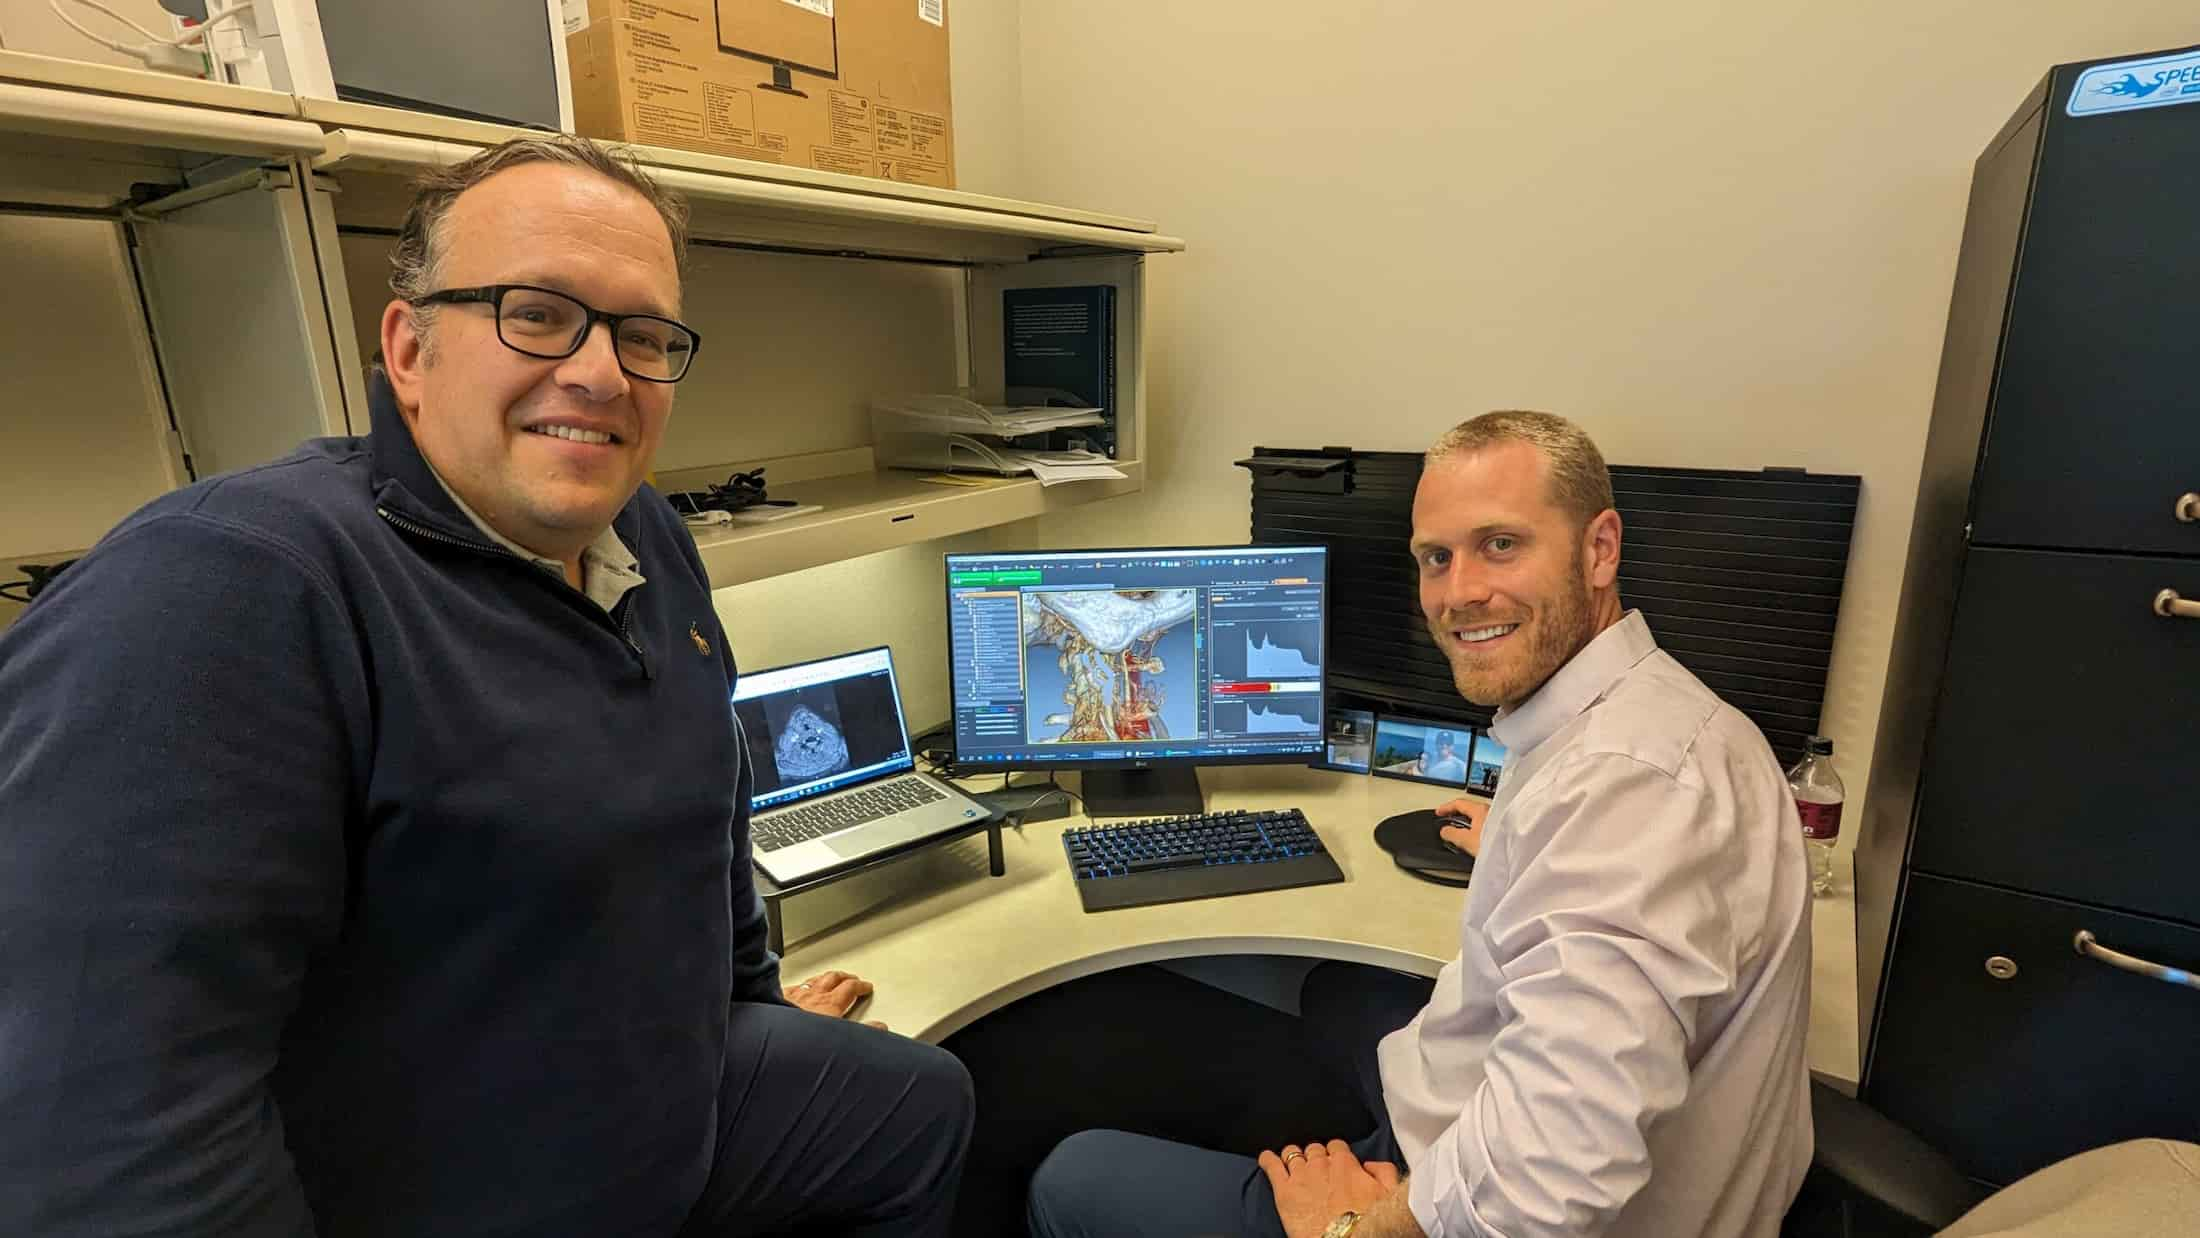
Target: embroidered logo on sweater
column 701, row 646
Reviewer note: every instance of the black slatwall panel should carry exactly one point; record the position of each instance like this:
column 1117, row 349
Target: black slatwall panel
column 1739, row 575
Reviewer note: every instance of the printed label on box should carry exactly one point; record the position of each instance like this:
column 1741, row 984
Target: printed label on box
column 823, row 8
column 892, row 125
column 928, row 137
column 2158, row 81
column 850, row 117
column 910, row 172
column 827, row 159
column 576, row 17
column 729, row 115
column 654, row 118
column 934, row 11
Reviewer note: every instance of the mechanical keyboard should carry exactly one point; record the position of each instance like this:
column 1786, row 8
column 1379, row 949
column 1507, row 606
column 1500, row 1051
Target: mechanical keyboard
column 1175, row 858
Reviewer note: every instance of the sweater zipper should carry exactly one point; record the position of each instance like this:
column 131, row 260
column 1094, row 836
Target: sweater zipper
column 624, row 629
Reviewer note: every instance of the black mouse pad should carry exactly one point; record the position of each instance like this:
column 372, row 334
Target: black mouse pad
column 1411, row 839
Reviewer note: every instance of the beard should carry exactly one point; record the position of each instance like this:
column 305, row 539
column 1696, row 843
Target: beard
column 1543, row 643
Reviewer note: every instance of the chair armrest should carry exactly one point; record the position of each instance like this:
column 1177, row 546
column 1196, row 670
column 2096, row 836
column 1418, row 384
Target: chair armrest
column 1886, row 1163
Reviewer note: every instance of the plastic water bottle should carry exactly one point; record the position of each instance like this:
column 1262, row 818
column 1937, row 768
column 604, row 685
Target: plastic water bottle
column 1818, row 796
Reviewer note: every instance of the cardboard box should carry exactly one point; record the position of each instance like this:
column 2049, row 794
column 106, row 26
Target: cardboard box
column 856, row 86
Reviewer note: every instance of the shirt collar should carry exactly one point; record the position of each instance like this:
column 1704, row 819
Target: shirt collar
column 608, row 568
column 1575, row 686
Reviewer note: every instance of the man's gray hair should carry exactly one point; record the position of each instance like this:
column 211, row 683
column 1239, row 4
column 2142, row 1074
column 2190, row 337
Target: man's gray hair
column 420, row 248
column 1579, row 483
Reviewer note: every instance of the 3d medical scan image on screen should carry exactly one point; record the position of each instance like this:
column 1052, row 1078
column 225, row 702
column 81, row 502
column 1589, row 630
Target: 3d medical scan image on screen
column 1111, row 666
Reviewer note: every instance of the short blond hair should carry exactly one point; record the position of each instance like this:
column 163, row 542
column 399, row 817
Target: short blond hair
column 1579, row 482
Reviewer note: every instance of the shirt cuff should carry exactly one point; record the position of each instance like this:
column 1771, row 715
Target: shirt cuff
column 1421, row 1200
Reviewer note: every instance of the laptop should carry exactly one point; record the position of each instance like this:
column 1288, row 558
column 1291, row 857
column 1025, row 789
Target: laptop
column 836, row 782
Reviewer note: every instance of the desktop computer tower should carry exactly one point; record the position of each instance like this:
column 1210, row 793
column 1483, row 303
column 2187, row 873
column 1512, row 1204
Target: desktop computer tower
column 2038, row 756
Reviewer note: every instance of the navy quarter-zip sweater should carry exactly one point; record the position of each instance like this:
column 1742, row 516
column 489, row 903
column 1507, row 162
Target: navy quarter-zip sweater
column 359, row 877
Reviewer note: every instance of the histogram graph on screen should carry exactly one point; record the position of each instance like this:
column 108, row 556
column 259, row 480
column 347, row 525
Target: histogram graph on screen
column 1279, row 649
column 1281, row 714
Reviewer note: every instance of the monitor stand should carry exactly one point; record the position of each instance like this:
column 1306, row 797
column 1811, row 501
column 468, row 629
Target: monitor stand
column 1171, row 790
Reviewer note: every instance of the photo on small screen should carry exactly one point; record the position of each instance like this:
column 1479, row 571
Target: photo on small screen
column 1422, row 751
column 1488, row 763
column 1349, row 740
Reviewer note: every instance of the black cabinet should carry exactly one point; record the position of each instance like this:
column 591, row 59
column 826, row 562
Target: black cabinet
column 2038, row 764
column 2064, row 755
column 2015, row 1050
column 2095, row 430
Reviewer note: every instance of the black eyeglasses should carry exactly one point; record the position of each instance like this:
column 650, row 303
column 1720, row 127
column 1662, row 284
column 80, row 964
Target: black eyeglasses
column 546, row 323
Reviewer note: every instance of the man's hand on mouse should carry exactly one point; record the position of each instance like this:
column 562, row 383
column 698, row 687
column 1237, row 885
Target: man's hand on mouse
column 1471, row 812
column 834, row 994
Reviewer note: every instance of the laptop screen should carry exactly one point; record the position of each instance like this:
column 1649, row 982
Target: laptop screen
column 819, row 726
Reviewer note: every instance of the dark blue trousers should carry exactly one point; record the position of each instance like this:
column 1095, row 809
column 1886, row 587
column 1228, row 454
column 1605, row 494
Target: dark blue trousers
column 830, row 1127
column 1112, row 1184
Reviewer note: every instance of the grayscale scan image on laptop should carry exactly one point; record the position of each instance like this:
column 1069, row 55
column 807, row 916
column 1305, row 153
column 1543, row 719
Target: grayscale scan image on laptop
column 835, row 779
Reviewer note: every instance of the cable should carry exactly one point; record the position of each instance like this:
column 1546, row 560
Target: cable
column 126, row 49
column 1058, row 789
column 39, row 577
column 97, row 7
column 166, row 52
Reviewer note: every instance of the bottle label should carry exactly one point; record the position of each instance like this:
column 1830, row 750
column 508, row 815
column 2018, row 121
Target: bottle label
column 1821, row 822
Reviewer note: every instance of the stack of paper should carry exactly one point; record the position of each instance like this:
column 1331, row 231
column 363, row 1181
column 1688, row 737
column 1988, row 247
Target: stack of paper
column 1055, row 467
column 948, row 432
column 948, row 414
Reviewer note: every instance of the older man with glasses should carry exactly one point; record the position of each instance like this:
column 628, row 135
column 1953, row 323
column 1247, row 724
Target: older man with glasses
column 374, row 849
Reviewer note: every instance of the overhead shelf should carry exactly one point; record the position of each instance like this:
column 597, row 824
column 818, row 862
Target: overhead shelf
column 872, row 511
column 742, row 208
column 344, row 114
column 81, row 136
column 35, row 70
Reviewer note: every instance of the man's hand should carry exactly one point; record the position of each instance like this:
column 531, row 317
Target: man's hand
column 1473, row 812
column 1318, row 1184
column 834, row 994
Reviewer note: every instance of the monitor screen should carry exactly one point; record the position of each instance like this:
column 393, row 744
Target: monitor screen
column 819, row 726
column 1422, row 750
column 1351, row 739
column 1488, row 763
column 1138, row 657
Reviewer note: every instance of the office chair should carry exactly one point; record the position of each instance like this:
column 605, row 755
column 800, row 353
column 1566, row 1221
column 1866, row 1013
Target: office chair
column 1871, row 1178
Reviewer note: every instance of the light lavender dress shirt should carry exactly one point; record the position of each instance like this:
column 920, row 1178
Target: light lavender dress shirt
column 1618, row 1050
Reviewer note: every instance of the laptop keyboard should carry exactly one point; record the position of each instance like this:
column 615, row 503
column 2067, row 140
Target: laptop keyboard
column 785, row 827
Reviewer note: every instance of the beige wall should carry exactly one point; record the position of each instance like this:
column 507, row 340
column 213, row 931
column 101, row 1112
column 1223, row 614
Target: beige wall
column 30, row 26
column 1717, row 234
column 894, row 598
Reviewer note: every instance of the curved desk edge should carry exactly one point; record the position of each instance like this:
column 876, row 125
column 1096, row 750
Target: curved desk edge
column 1168, row 951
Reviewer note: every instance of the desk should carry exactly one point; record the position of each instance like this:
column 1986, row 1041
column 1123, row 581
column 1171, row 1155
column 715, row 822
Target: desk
column 946, row 944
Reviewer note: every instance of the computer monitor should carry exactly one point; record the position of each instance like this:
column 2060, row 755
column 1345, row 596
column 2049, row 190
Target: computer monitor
column 1422, row 750
column 1489, row 763
column 1138, row 666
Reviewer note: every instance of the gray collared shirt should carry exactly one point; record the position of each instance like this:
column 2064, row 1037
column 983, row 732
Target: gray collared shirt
column 1618, row 1050
column 608, row 568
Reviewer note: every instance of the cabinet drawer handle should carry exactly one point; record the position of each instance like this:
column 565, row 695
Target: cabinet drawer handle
column 2188, row 507
column 2170, row 606
column 2091, row 948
